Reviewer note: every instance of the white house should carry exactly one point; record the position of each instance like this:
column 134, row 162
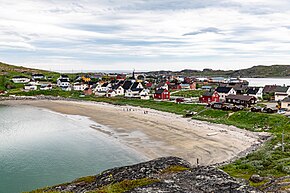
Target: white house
column 29, row 87
column 224, row 92
column 63, row 83
column 111, row 93
column 79, row 86
column 103, row 87
column 64, row 76
column 281, row 92
column 255, row 91
column 163, row 85
column 120, row 90
column 38, row 76
column 46, row 87
column 144, row 94
column 285, row 103
column 20, row 79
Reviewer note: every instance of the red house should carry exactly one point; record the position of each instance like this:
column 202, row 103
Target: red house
column 209, row 97
column 162, row 94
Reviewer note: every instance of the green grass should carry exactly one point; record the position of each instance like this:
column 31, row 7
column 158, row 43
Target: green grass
column 125, row 185
column 189, row 93
column 87, row 179
column 174, row 169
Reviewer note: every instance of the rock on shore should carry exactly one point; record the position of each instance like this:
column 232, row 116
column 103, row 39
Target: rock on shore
column 167, row 174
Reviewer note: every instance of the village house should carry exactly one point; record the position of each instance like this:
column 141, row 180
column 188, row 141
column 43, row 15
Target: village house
column 240, row 88
column 255, row 91
column 103, row 87
column 29, row 87
column 79, row 86
column 188, row 86
column 223, row 92
column 38, row 77
column 162, row 94
column 268, row 89
column 144, row 94
column 119, row 90
column 64, row 76
column 111, row 93
column 209, row 97
column 174, row 86
column 63, row 82
column 163, row 85
column 281, row 92
column 127, row 85
column 285, row 103
column 46, row 87
column 20, row 79
column 88, row 91
column 134, row 91
column 241, row 100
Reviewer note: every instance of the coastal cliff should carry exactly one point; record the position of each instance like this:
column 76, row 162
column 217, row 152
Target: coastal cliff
column 167, row 174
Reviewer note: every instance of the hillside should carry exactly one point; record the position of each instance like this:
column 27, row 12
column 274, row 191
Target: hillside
column 281, row 71
column 7, row 71
column 168, row 174
column 7, row 68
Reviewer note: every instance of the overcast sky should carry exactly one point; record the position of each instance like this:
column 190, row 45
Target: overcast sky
column 144, row 34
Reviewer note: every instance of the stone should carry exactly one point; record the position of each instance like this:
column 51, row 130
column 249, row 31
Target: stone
column 256, row 178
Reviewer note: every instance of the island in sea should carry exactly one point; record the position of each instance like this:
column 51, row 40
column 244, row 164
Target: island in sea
column 214, row 122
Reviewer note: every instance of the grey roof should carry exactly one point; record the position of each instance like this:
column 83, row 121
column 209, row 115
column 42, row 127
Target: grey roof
column 63, row 80
column 223, row 89
column 134, row 86
column 127, row 85
column 253, row 90
column 281, row 89
column 208, row 93
column 159, row 91
column 105, row 84
column 287, row 99
column 241, row 97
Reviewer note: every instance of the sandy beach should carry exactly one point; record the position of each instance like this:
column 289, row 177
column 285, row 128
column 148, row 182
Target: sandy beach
column 157, row 134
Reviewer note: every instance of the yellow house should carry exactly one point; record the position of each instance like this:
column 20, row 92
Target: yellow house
column 86, row 79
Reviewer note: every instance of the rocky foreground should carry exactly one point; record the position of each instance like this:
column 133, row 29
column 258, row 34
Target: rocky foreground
column 167, row 174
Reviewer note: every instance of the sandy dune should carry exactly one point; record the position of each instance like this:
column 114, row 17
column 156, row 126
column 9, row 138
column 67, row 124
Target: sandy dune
column 158, row 133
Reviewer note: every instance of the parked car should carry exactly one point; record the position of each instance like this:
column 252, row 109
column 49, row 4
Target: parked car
column 256, row 109
column 179, row 100
column 269, row 110
column 281, row 111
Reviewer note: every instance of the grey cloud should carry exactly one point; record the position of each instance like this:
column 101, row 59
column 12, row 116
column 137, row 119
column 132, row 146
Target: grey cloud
column 204, row 30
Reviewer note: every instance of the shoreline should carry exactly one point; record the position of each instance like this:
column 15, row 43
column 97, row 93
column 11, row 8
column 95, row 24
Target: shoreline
column 156, row 133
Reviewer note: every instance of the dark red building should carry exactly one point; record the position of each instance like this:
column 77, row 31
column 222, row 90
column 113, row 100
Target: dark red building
column 209, row 97
column 162, row 94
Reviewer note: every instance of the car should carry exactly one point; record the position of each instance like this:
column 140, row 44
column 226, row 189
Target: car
column 281, row 111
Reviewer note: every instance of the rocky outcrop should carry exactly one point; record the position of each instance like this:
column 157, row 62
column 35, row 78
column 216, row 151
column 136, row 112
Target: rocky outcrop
column 167, row 174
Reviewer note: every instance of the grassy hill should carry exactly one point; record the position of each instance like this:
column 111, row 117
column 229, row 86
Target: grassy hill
column 253, row 72
column 7, row 71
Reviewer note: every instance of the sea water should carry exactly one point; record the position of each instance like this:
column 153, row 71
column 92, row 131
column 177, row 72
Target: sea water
column 40, row 148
